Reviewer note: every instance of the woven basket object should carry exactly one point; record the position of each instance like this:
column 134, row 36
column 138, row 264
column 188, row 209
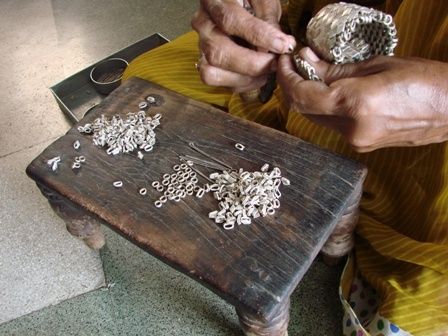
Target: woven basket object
column 348, row 33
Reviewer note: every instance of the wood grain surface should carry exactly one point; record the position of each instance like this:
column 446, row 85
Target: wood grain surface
column 255, row 267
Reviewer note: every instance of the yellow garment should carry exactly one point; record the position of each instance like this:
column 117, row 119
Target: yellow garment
column 402, row 243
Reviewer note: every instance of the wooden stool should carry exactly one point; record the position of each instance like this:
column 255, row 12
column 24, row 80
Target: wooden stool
column 253, row 267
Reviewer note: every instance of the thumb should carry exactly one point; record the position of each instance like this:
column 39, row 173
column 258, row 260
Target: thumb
column 332, row 72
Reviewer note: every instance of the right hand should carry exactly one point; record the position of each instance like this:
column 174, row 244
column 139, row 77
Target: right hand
column 380, row 102
column 224, row 62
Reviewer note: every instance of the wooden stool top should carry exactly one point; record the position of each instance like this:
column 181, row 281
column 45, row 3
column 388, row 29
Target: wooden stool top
column 255, row 266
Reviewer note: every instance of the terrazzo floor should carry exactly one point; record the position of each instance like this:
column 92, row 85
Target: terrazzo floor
column 145, row 297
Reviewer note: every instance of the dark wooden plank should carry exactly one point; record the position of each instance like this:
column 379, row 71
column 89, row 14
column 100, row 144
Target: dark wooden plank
column 256, row 266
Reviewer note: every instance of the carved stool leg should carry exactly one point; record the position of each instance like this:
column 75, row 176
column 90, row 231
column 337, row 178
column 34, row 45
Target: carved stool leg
column 78, row 222
column 342, row 239
column 254, row 325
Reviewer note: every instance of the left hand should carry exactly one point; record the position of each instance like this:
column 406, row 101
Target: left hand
column 381, row 102
column 224, row 62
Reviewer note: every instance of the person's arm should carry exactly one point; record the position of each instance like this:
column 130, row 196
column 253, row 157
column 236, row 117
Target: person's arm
column 225, row 62
column 382, row 102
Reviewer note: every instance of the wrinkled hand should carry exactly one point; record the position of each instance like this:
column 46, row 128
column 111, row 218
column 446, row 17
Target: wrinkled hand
column 227, row 63
column 382, row 102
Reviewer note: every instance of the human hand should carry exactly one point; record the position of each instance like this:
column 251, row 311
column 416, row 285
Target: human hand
column 225, row 62
column 382, row 102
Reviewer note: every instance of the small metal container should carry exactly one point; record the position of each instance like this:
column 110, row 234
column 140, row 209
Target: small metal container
column 76, row 95
column 106, row 75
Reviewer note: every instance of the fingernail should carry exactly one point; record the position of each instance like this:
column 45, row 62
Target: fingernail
column 279, row 46
column 290, row 49
column 311, row 56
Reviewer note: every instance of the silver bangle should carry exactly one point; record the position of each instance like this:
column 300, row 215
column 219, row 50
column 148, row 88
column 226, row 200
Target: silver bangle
column 348, row 33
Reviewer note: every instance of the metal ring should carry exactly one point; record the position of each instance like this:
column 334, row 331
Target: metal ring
column 142, row 105
column 200, row 193
column 118, row 184
column 285, row 181
column 76, row 165
column 239, row 146
column 150, row 99
column 276, row 204
column 228, row 226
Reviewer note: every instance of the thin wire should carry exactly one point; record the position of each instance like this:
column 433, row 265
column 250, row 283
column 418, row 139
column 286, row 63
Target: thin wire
column 204, row 163
column 193, row 146
column 199, row 172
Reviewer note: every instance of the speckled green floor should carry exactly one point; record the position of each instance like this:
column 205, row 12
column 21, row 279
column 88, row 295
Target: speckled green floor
column 146, row 297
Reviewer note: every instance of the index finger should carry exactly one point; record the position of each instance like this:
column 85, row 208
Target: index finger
column 233, row 19
column 306, row 96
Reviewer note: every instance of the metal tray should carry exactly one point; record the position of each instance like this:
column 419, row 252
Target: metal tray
column 76, row 96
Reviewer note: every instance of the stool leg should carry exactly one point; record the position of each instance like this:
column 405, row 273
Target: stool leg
column 254, row 325
column 342, row 239
column 78, row 221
